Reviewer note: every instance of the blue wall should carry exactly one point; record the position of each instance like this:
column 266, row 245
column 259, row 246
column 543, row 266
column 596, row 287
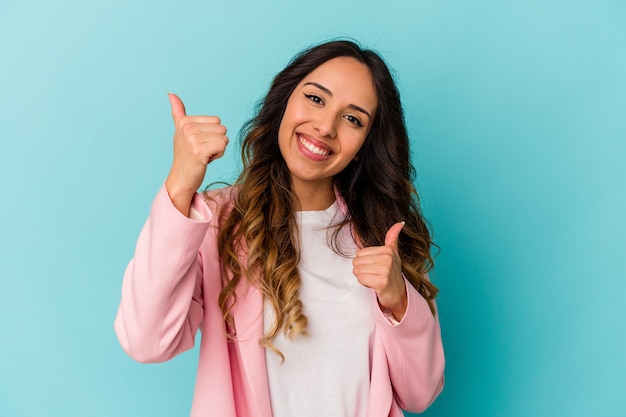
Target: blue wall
column 517, row 113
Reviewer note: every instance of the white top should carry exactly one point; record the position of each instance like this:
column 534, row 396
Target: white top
column 327, row 372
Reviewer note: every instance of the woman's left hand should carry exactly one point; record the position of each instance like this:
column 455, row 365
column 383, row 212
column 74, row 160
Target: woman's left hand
column 380, row 268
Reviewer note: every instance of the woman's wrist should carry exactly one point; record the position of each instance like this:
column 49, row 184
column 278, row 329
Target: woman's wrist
column 181, row 198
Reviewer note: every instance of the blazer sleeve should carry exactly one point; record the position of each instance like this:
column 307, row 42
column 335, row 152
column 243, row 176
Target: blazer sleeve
column 161, row 304
column 414, row 351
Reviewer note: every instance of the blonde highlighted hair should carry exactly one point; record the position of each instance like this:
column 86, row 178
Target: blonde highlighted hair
column 258, row 237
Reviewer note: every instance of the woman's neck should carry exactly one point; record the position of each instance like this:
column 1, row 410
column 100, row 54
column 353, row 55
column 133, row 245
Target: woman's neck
column 311, row 197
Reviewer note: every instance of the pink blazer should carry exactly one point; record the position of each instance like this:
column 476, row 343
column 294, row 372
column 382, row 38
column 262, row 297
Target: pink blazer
column 171, row 288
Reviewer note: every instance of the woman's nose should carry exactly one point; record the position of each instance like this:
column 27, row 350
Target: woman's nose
column 325, row 124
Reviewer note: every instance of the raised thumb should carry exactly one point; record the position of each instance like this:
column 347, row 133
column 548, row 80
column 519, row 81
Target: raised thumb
column 178, row 108
column 391, row 238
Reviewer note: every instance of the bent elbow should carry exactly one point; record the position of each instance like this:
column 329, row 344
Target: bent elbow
column 422, row 402
column 145, row 357
column 428, row 400
column 429, row 390
column 140, row 348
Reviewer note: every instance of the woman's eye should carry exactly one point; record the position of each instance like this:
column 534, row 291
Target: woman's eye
column 314, row 98
column 354, row 121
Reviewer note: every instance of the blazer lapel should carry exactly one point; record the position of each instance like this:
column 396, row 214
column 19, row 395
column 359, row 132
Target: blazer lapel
column 248, row 316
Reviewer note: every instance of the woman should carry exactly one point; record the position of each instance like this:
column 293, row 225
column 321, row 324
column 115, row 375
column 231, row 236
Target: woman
column 308, row 277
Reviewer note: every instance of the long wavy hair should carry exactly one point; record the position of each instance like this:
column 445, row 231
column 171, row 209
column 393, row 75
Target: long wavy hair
column 258, row 236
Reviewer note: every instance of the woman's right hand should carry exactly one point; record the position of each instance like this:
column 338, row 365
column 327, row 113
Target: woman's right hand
column 198, row 140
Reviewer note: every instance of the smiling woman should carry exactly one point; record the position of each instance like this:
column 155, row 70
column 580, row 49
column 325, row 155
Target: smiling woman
column 324, row 126
column 311, row 267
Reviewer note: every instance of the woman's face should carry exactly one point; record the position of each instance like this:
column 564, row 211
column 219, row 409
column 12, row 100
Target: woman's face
column 326, row 121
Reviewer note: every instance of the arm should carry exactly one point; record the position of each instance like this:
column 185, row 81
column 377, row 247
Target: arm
column 414, row 353
column 413, row 346
column 161, row 305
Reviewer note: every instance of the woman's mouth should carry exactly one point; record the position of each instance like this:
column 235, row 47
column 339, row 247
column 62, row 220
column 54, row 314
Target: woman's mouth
column 311, row 147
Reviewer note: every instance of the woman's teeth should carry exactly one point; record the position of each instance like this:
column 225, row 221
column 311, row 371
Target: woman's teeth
column 312, row 148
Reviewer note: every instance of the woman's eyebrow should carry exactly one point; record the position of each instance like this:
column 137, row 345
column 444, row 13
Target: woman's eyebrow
column 321, row 87
column 330, row 93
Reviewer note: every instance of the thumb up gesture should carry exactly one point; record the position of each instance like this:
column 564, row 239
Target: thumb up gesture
column 380, row 268
column 198, row 140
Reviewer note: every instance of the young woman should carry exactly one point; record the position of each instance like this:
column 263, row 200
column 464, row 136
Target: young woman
column 308, row 277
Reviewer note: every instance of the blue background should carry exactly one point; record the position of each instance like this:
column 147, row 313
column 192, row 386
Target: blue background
column 517, row 114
